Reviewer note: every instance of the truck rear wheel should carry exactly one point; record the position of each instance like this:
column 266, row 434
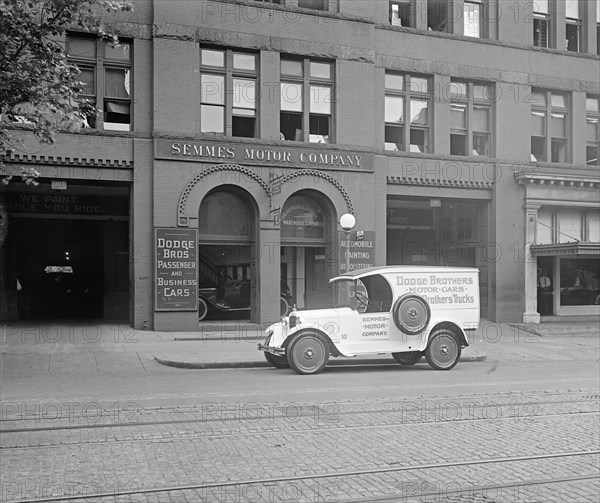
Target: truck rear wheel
column 408, row 358
column 308, row 354
column 443, row 350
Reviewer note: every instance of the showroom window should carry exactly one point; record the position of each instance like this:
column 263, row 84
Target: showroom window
column 471, row 111
column 550, row 136
column 228, row 92
column 592, row 130
column 107, row 78
column 306, row 100
column 407, row 112
column 541, row 23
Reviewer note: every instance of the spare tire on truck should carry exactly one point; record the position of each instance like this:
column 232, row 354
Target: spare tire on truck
column 411, row 314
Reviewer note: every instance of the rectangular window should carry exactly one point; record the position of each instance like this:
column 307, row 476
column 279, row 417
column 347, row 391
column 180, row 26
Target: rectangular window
column 306, row 100
column 573, row 26
column 473, row 19
column 407, row 96
column 228, row 102
column 541, row 23
column 401, row 13
column 471, row 116
column 436, row 15
column 314, row 4
column 592, row 130
column 550, row 137
column 106, row 74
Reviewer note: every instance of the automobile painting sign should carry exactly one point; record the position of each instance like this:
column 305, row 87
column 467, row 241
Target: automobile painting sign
column 176, row 286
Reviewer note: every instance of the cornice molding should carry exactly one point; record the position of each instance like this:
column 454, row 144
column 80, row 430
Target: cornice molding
column 471, row 184
column 67, row 161
column 563, row 180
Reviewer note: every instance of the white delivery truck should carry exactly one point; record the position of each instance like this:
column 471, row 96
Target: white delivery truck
column 408, row 311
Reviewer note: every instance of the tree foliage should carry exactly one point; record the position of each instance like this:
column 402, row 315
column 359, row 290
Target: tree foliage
column 38, row 86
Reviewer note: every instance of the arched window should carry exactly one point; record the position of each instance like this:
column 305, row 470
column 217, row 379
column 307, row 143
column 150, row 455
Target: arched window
column 303, row 218
column 225, row 216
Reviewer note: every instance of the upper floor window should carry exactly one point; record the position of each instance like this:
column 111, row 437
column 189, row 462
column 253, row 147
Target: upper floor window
column 306, row 100
column 407, row 113
column 471, row 111
column 598, row 27
column 541, row 23
column 592, row 134
column 401, row 13
column 106, row 76
column 549, row 126
column 314, row 4
column 228, row 92
column 436, row 15
column 573, row 26
column 473, row 19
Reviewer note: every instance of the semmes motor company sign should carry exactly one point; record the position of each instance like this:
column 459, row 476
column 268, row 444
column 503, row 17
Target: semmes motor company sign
column 262, row 155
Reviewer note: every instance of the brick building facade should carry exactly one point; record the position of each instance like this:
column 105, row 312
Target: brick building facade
column 235, row 133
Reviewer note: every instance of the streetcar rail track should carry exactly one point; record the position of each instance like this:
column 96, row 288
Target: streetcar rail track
column 296, row 431
column 315, row 409
column 338, row 474
column 471, row 489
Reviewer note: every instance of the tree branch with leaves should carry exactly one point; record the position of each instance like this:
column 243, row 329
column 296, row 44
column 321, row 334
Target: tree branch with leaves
column 39, row 87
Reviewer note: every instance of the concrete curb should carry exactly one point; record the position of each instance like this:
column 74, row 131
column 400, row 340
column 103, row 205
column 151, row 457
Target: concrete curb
column 206, row 365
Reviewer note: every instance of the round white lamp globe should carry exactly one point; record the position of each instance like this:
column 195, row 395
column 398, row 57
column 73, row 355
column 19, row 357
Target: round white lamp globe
column 347, row 221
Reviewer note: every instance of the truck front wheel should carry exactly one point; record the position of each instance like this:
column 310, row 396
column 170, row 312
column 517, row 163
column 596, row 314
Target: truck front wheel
column 308, row 354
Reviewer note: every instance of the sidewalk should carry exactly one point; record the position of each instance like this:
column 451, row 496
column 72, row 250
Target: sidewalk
column 84, row 348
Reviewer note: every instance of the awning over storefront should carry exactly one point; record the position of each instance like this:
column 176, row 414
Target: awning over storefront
column 566, row 249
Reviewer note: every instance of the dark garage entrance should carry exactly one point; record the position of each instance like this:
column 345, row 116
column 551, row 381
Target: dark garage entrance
column 67, row 253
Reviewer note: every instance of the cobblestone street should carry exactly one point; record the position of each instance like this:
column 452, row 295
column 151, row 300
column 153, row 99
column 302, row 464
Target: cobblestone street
column 528, row 446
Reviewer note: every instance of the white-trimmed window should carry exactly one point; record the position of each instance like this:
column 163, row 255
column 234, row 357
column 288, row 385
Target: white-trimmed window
column 228, row 92
column 592, row 130
column 573, row 26
column 306, row 100
column 107, row 77
column 402, row 13
column 473, row 19
column 407, row 112
column 541, row 23
column 550, row 138
column 471, row 111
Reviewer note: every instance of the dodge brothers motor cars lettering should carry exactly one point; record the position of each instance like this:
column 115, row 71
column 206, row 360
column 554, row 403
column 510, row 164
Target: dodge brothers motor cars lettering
column 407, row 311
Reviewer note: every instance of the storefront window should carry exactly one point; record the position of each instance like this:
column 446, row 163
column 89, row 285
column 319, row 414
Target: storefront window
column 579, row 281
